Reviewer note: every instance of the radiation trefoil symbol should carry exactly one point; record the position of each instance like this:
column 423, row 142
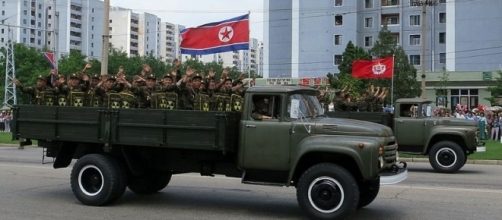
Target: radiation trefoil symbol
column 237, row 106
column 62, row 102
column 78, row 103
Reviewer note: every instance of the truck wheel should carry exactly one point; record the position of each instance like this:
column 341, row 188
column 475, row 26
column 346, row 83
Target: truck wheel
column 368, row 192
column 97, row 179
column 447, row 157
column 327, row 191
column 150, row 183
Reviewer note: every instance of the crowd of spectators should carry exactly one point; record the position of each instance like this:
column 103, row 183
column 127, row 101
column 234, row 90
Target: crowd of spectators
column 5, row 118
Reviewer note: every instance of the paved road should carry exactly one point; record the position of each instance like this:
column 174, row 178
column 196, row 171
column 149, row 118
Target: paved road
column 30, row 190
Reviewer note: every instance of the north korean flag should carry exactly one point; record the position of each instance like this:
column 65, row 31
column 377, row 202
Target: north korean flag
column 216, row 37
column 49, row 56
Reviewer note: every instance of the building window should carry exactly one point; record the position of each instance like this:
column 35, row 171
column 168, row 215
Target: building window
column 92, row 10
column 2, row 30
column 337, row 59
column 442, row 57
column 414, row 20
column 39, row 33
column 338, row 20
column 92, row 19
column 368, row 3
column 49, row 16
column 442, row 17
column 49, row 42
column 24, row 21
column 338, row 3
column 390, row 19
column 1, row 40
column 39, row 42
column 368, row 41
column 25, row 12
column 467, row 97
column 390, row 2
column 92, row 27
column 442, row 1
column 3, row 12
column 92, row 45
column 368, row 22
column 338, row 39
column 442, row 37
column 415, row 59
column 396, row 37
column 24, row 31
column 92, row 36
column 110, row 21
column 415, row 39
column 24, row 40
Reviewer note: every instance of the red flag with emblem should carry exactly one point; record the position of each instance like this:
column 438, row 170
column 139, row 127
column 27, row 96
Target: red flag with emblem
column 373, row 69
column 228, row 35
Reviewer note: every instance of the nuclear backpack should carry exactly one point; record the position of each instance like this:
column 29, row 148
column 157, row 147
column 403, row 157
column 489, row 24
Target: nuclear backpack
column 236, row 102
column 202, row 102
column 76, row 99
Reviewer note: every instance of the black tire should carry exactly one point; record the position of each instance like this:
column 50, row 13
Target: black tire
column 327, row 191
column 98, row 179
column 368, row 192
column 149, row 184
column 447, row 157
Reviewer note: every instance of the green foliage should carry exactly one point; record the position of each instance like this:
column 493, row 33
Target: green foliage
column 405, row 76
column 496, row 90
column 73, row 63
column 345, row 79
column 29, row 64
column 385, row 45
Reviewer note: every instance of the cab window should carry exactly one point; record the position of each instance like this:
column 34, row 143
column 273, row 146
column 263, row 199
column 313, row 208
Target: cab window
column 266, row 107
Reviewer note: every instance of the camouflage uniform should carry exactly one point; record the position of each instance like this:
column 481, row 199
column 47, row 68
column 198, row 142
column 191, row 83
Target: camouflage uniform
column 40, row 95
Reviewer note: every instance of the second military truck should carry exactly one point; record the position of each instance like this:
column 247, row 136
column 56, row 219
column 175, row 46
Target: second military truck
column 336, row 165
column 446, row 141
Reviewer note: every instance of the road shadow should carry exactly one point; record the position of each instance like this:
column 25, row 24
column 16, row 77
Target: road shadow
column 432, row 171
column 218, row 200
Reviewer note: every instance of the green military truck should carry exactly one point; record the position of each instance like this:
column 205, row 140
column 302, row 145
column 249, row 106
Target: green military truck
column 336, row 165
column 447, row 141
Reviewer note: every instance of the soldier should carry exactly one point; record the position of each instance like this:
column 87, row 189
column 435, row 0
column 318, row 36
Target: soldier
column 41, row 94
column 190, row 88
column 223, row 95
column 144, row 93
column 73, row 93
column 91, row 98
column 166, row 96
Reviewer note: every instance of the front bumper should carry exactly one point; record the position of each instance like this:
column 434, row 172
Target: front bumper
column 396, row 174
column 481, row 147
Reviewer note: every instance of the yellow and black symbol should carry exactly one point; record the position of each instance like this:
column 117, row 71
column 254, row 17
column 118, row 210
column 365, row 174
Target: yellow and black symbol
column 125, row 104
column 115, row 104
column 205, row 107
column 78, row 102
column 62, row 101
column 170, row 105
column 237, row 106
column 49, row 102
column 227, row 107
column 220, row 106
column 163, row 103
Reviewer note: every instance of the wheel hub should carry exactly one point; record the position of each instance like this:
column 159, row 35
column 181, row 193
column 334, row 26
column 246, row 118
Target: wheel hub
column 446, row 157
column 90, row 180
column 326, row 194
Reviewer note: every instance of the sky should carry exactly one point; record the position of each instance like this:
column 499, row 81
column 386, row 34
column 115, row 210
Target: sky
column 191, row 13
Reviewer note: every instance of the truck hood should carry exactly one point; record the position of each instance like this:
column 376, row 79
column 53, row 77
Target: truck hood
column 455, row 122
column 341, row 126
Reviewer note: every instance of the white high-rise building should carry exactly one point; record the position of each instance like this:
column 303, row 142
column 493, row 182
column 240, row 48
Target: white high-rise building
column 244, row 60
column 124, row 30
column 149, row 35
column 168, row 44
column 24, row 22
column 78, row 25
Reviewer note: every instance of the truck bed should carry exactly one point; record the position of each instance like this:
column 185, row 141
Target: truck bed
column 136, row 127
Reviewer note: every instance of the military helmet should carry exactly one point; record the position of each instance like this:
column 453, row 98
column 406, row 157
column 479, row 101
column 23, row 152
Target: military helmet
column 95, row 76
column 74, row 76
column 112, row 78
column 197, row 76
column 40, row 77
column 151, row 76
column 168, row 76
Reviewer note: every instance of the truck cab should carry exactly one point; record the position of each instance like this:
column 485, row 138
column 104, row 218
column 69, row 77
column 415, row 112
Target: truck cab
column 447, row 141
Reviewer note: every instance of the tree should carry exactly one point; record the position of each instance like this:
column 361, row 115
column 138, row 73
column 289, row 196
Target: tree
column 345, row 79
column 73, row 63
column 496, row 91
column 405, row 76
column 405, row 82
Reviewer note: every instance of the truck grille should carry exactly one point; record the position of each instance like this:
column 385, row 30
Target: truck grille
column 390, row 154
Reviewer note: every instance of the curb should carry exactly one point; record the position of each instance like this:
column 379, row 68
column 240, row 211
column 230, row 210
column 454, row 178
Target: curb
column 426, row 160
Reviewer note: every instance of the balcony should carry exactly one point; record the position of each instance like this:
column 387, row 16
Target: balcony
column 387, row 3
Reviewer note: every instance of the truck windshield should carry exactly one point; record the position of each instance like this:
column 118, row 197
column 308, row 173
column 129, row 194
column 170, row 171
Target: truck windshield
column 304, row 106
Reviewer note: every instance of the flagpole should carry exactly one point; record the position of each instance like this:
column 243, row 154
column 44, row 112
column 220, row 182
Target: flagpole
column 392, row 83
column 249, row 50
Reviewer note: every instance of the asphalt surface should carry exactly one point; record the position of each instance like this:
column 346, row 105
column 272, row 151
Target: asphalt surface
column 31, row 190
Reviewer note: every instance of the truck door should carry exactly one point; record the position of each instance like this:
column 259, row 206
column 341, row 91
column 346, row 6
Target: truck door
column 265, row 135
column 409, row 128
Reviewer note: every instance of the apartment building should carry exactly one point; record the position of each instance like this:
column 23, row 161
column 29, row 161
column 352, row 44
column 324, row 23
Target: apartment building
column 243, row 60
column 310, row 37
column 23, row 21
column 168, row 41
column 124, row 30
column 78, row 25
column 149, row 35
